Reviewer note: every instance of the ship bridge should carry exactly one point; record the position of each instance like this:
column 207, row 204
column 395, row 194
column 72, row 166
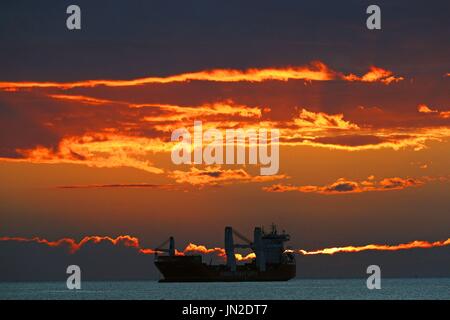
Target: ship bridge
column 273, row 245
column 267, row 246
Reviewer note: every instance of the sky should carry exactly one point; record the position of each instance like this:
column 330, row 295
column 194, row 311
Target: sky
column 87, row 117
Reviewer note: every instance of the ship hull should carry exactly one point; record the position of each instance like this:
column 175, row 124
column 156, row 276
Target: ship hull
column 179, row 269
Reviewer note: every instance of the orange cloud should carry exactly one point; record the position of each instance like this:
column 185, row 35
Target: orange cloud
column 394, row 138
column 99, row 150
column 423, row 108
column 321, row 121
column 174, row 117
column 73, row 246
column 128, row 241
column 218, row 176
column 375, row 74
column 133, row 133
column 332, row 131
column 177, row 113
column 345, row 186
column 115, row 150
column 191, row 247
column 117, row 147
column 445, row 114
column 81, row 99
column 381, row 247
column 315, row 71
column 166, row 117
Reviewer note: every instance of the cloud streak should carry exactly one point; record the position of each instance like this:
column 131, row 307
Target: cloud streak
column 98, row 150
column 123, row 185
column 73, row 246
column 423, row 108
column 315, row 71
column 213, row 176
column 375, row 74
column 318, row 121
column 378, row 247
column 345, row 186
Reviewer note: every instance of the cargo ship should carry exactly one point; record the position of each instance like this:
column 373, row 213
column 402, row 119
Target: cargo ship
column 272, row 261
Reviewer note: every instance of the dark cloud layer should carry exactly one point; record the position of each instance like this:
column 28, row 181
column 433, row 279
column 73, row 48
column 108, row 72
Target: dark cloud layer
column 131, row 39
column 31, row 261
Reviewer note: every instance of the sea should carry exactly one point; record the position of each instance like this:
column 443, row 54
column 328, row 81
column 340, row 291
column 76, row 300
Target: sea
column 296, row 289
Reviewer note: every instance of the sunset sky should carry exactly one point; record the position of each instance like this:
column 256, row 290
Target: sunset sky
column 364, row 116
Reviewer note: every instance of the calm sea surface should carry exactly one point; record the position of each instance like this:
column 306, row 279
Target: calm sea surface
column 294, row 289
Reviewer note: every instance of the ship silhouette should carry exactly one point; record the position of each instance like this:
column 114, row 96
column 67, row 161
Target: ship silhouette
column 272, row 262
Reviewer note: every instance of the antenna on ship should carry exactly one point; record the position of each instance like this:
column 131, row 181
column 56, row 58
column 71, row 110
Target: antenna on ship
column 273, row 228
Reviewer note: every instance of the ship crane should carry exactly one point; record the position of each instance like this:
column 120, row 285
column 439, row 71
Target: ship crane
column 243, row 238
column 170, row 250
column 257, row 246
